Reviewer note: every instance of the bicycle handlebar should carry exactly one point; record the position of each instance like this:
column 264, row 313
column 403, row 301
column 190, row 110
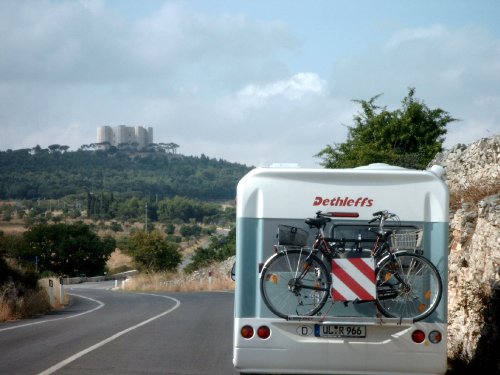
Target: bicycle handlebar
column 379, row 215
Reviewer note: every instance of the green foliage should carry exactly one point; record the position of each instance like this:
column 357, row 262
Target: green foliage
column 41, row 173
column 154, row 252
column 11, row 245
column 27, row 278
column 116, row 227
column 169, row 229
column 191, row 230
column 173, row 238
column 67, row 249
column 185, row 209
column 409, row 137
column 126, row 209
column 98, row 205
column 220, row 248
column 209, row 230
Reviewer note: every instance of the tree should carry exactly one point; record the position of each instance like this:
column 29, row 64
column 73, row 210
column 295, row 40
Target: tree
column 53, row 175
column 172, row 147
column 68, row 249
column 154, row 252
column 409, row 137
column 219, row 249
column 191, row 230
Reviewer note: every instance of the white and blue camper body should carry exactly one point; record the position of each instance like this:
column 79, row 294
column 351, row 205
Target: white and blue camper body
column 268, row 197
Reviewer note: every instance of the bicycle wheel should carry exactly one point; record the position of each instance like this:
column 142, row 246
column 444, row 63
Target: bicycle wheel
column 408, row 286
column 294, row 282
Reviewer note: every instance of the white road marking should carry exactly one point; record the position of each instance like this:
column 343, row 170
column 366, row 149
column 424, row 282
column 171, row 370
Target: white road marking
column 74, row 357
column 99, row 306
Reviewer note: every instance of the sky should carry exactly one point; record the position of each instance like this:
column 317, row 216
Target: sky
column 247, row 81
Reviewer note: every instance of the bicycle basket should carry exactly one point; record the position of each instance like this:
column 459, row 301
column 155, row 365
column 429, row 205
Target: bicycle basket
column 407, row 240
column 288, row 235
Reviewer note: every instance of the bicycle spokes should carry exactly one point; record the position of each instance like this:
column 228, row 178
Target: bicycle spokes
column 297, row 280
column 408, row 286
column 295, row 283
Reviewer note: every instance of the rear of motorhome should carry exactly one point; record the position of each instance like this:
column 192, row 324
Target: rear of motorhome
column 343, row 338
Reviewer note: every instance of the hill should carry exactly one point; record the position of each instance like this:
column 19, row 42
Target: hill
column 52, row 174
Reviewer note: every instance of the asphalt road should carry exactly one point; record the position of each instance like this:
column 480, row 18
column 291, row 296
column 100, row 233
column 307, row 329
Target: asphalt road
column 111, row 332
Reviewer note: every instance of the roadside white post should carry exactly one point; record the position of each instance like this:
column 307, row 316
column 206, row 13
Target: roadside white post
column 51, row 292
column 209, row 280
column 61, row 292
column 116, row 283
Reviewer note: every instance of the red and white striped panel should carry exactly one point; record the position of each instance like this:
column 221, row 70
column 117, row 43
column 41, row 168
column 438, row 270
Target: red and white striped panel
column 353, row 279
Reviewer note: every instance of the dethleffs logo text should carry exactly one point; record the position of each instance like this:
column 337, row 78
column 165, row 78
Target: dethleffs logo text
column 343, row 202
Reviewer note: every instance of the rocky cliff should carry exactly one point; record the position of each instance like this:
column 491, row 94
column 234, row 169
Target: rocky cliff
column 473, row 177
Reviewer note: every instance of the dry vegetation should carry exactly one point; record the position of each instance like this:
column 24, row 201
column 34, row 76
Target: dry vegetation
column 119, row 262
column 473, row 194
column 215, row 277
column 175, row 281
column 17, row 302
column 179, row 282
column 30, row 304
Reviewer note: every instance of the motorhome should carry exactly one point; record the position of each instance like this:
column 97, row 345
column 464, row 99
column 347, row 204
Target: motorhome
column 343, row 338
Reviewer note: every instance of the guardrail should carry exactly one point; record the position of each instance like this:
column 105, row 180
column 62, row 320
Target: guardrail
column 83, row 279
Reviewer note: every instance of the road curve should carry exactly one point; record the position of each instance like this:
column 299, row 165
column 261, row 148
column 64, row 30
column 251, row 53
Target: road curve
column 112, row 332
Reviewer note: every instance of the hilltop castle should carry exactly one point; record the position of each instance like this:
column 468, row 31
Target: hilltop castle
column 125, row 135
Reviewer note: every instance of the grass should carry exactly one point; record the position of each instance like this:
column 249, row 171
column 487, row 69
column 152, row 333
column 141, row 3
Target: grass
column 119, row 262
column 174, row 282
column 473, row 194
column 14, row 306
column 16, row 303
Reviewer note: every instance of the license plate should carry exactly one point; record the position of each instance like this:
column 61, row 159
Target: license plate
column 339, row 331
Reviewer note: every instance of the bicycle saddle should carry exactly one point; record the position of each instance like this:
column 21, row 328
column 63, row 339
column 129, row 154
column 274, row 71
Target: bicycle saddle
column 317, row 222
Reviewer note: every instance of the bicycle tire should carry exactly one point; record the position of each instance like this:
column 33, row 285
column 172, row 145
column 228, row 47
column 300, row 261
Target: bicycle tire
column 423, row 290
column 285, row 292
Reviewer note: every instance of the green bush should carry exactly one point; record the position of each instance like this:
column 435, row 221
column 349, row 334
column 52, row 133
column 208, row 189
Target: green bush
column 219, row 249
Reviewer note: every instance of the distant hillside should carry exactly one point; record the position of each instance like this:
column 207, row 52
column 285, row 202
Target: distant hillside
column 49, row 174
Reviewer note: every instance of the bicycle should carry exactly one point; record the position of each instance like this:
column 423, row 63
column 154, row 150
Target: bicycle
column 296, row 282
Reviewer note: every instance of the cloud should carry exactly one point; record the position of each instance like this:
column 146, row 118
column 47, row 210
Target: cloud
column 287, row 120
column 78, row 62
column 221, row 84
column 453, row 69
column 293, row 89
column 421, row 35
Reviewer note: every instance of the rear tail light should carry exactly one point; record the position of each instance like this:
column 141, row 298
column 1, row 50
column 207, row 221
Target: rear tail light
column 247, row 332
column 418, row 336
column 263, row 332
column 344, row 214
column 435, row 337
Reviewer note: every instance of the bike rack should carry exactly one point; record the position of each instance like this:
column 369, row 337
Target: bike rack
column 349, row 320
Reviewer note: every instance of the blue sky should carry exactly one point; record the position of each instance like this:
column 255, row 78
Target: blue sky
column 254, row 82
